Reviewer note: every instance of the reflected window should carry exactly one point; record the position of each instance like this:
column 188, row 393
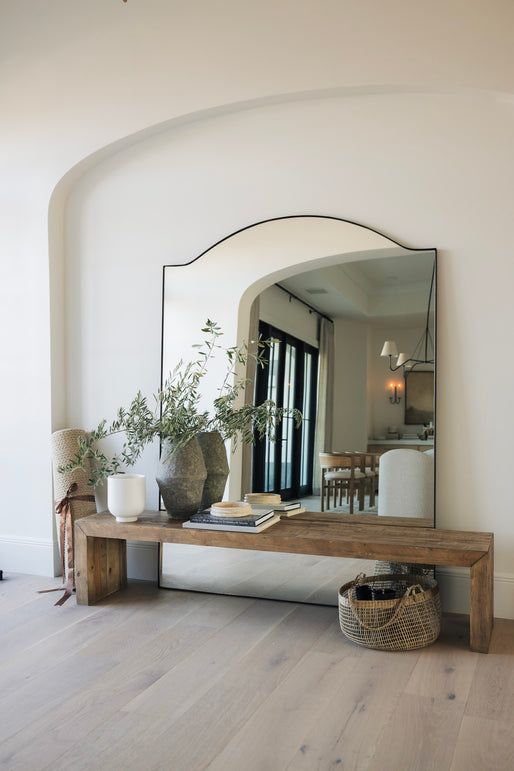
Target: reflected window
column 285, row 464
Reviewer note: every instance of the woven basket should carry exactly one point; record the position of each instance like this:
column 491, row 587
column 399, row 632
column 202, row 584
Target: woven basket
column 411, row 620
column 382, row 567
column 64, row 448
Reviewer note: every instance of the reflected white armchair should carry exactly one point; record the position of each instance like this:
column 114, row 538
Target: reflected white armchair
column 406, row 484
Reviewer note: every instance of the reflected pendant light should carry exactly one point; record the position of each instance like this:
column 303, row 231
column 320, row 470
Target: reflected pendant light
column 424, row 347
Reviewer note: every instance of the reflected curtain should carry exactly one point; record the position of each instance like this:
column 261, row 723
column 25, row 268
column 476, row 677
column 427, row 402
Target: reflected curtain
column 251, row 372
column 325, row 405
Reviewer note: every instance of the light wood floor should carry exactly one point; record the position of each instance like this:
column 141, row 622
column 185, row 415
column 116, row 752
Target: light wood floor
column 153, row 679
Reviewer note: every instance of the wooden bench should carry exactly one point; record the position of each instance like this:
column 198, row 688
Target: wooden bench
column 101, row 561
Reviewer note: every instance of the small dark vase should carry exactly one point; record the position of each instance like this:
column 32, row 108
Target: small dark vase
column 181, row 478
column 216, row 463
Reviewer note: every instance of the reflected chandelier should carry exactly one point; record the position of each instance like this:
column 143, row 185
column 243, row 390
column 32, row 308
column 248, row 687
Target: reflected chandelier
column 423, row 348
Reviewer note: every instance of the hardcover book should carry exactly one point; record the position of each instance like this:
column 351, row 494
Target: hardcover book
column 239, row 528
column 252, row 520
column 286, row 506
column 292, row 512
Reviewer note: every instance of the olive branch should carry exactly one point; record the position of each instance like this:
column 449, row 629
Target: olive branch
column 176, row 417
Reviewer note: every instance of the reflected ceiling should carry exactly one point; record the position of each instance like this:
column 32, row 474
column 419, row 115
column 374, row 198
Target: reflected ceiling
column 376, row 289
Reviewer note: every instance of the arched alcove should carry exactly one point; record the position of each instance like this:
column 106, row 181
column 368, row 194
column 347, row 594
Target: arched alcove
column 360, row 158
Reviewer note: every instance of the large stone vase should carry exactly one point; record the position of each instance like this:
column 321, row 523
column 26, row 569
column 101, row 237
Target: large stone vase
column 181, row 478
column 216, row 463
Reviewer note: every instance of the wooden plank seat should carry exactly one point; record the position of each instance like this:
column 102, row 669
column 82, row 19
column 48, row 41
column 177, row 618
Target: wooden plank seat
column 101, row 568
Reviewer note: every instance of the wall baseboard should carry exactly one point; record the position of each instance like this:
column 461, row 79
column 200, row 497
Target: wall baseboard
column 36, row 556
column 143, row 560
column 21, row 554
column 454, row 584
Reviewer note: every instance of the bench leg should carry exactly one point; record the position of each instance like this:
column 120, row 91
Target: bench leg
column 100, row 566
column 481, row 612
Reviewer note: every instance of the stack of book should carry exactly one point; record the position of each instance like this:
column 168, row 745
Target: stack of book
column 260, row 501
column 255, row 522
column 290, row 508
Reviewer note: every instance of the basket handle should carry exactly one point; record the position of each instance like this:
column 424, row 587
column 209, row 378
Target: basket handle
column 359, row 578
column 401, row 602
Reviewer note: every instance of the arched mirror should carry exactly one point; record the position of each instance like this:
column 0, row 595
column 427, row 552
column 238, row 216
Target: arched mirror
column 349, row 317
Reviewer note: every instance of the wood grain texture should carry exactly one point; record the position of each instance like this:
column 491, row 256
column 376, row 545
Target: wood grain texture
column 363, row 519
column 484, row 745
column 142, row 652
column 299, row 701
column 221, row 705
column 345, row 731
column 492, row 690
column 309, row 536
column 100, row 566
column 482, row 602
column 420, row 735
column 443, row 672
column 154, row 679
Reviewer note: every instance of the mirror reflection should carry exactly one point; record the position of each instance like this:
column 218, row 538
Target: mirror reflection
column 351, row 335
column 353, row 349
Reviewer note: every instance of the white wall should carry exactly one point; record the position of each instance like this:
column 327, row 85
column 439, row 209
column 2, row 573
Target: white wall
column 350, row 389
column 382, row 413
column 416, row 141
column 361, row 404
column 290, row 316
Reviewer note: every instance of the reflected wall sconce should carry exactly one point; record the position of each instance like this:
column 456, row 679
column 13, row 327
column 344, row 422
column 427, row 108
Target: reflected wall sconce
column 394, row 393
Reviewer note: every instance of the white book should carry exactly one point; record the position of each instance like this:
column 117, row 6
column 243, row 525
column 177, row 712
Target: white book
column 286, row 506
column 292, row 512
column 231, row 528
column 263, row 500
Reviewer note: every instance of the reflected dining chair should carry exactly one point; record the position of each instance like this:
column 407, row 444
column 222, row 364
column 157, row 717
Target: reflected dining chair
column 340, row 471
column 369, row 465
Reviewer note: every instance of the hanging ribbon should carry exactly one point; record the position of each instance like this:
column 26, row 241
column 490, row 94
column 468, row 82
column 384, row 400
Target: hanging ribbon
column 63, row 510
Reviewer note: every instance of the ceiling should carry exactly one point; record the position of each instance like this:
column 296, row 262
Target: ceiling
column 392, row 288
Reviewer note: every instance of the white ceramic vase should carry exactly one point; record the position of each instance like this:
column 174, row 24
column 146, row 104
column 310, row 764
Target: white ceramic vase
column 126, row 496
